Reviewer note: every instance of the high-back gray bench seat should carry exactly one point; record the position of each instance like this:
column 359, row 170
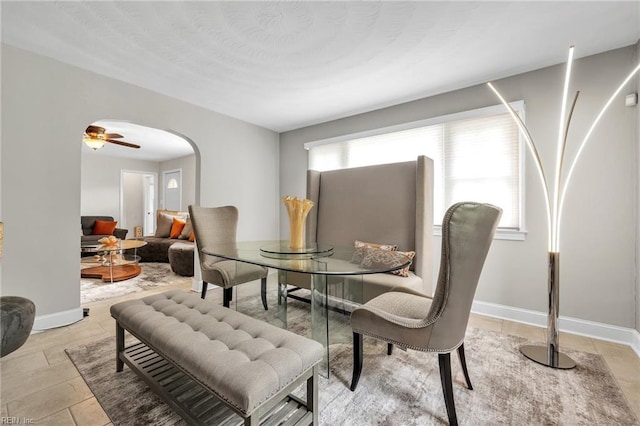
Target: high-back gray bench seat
column 389, row 204
column 248, row 365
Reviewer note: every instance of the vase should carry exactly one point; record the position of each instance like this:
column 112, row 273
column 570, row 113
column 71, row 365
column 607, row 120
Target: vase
column 298, row 209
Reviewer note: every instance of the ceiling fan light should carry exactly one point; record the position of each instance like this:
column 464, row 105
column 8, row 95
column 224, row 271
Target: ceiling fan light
column 94, row 144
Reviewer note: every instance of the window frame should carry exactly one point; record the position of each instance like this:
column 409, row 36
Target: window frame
column 518, row 106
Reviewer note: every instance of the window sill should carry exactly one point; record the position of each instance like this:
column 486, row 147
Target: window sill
column 501, row 234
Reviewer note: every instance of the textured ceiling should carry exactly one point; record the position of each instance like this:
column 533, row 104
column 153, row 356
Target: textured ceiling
column 285, row 65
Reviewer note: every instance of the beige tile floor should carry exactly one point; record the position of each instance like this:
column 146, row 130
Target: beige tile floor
column 39, row 382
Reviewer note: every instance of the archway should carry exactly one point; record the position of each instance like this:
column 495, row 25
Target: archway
column 111, row 174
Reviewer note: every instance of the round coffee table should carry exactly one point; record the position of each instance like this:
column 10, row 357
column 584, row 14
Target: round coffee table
column 115, row 265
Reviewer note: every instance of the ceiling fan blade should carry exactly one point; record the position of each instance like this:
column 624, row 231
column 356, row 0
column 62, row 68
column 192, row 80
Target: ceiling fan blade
column 113, row 135
column 95, row 129
column 123, row 143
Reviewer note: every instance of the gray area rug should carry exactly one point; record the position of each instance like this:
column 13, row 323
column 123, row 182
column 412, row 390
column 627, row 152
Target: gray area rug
column 153, row 275
column 404, row 388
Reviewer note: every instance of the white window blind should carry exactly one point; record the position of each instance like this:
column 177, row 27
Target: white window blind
column 476, row 155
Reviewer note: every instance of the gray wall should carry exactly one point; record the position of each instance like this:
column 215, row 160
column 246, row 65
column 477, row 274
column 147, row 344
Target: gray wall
column 100, row 183
column 598, row 233
column 45, row 107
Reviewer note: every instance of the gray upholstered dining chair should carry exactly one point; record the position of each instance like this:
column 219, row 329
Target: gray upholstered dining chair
column 218, row 225
column 412, row 320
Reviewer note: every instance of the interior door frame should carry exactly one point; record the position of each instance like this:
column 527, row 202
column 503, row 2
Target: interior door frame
column 164, row 187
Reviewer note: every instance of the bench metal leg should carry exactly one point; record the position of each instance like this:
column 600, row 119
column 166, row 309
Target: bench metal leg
column 205, row 285
column 253, row 420
column 312, row 395
column 119, row 347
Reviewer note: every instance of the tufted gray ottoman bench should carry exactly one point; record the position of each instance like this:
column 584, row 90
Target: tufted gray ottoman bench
column 181, row 258
column 213, row 365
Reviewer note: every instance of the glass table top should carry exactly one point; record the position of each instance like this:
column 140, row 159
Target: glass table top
column 120, row 245
column 322, row 259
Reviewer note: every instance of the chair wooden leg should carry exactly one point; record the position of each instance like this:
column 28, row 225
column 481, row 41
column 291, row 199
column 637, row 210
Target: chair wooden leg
column 205, row 285
column 444, row 360
column 357, row 360
column 263, row 293
column 389, row 348
column 227, row 294
column 463, row 361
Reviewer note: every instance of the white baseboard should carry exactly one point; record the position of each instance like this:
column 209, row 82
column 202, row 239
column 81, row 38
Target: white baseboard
column 636, row 342
column 611, row 333
column 57, row 319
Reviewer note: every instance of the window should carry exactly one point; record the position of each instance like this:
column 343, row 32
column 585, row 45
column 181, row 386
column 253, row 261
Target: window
column 173, row 184
column 477, row 156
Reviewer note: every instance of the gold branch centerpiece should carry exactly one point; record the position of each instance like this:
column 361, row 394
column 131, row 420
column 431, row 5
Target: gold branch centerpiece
column 298, row 209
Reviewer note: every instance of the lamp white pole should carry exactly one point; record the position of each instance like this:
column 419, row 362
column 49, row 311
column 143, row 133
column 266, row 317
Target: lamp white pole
column 550, row 354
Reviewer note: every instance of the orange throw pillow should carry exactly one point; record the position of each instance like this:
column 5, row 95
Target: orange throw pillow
column 192, row 236
column 176, row 227
column 103, row 227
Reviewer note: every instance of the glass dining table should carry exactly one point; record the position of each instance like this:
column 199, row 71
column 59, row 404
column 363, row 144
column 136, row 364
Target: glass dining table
column 326, row 266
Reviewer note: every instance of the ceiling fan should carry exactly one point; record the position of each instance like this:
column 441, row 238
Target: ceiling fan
column 95, row 137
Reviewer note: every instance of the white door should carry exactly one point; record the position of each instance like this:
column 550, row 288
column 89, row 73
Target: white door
column 138, row 201
column 149, row 226
column 172, row 184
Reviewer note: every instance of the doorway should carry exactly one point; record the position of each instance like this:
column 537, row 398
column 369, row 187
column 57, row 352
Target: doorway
column 138, row 195
column 103, row 173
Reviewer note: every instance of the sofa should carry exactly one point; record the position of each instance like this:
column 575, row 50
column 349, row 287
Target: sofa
column 88, row 224
column 159, row 246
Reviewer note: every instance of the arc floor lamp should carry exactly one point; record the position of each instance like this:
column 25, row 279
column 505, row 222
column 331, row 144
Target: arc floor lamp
column 550, row 355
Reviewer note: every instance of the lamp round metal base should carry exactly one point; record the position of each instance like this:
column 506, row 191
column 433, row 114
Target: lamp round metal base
column 540, row 354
